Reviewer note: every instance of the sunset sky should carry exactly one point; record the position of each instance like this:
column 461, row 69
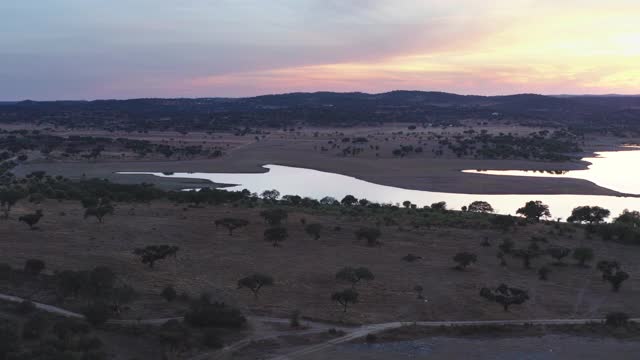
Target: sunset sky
column 87, row 49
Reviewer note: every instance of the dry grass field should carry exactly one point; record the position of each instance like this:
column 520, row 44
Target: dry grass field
column 211, row 261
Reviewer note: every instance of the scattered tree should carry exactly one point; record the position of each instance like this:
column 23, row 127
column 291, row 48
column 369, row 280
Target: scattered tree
column 617, row 319
column 8, row 198
column 255, row 282
column 506, row 246
column 276, row 235
column 480, row 207
column 274, row 217
column 588, row 214
column 464, row 259
column 505, row 296
column 99, row 211
column 370, row 234
column 271, row 195
column 534, row 210
column 582, row 255
column 526, row 255
column 354, row 275
column 439, row 206
column 314, row 230
column 169, row 293
column 231, row 224
column 34, row 266
column 607, row 267
column 345, row 297
column 616, row 279
column 419, row 289
column 543, row 273
column 558, row 253
column 31, row 219
column 150, row 254
column 349, row 200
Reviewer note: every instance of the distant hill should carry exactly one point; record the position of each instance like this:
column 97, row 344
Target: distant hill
column 331, row 108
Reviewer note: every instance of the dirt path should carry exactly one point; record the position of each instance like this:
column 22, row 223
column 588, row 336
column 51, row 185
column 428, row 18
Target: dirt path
column 312, row 328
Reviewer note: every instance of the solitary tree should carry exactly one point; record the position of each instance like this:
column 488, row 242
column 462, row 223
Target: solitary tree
column 349, row 200
column 505, row 296
column 354, row 275
column 543, row 273
column 314, row 230
column 31, row 219
column 150, row 254
column 274, row 217
column 607, row 267
column 276, row 235
column 464, row 259
column 271, row 195
column 558, row 253
column 34, row 266
column 526, row 255
column 345, row 297
column 440, row 206
column 231, row 224
column 370, row 234
column 583, row 254
column 588, row 214
column 506, row 246
column 503, row 222
column 501, row 257
column 616, row 279
column 99, row 211
column 480, row 206
column 419, row 289
column 534, row 210
column 255, row 282
column 630, row 218
column 8, row 198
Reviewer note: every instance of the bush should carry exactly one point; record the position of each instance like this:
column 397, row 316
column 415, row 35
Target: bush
column 34, row 327
column 294, row 319
column 617, row 319
column 169, row 293
column 204, row 313
column 26, row 307
column 34, row 266
column 97, row 313
column 211, row 339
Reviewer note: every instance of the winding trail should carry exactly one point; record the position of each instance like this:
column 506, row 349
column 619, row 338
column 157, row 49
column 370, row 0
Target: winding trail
column 352, row 333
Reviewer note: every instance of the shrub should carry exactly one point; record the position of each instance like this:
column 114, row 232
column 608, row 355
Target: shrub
column 204, row 313
column 617, row 319
column 97, row 313
column 169, row 293
column 34, row 266
column 25, row 307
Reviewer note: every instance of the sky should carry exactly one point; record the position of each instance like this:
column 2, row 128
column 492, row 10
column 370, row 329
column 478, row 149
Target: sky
column 97, row 49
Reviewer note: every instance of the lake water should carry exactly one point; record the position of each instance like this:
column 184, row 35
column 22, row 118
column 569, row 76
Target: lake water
column 615, row 170
column 318, row 184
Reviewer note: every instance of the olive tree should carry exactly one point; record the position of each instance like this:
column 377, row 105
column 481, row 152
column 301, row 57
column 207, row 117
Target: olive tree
column 345, row 297
column 255, row 282
column 314, row 230
column 505, row 295
column 231, row 224
column 588, row 214
column 275, row 235
column 150, row 254
column 464, row 259
column 354, row 275
column 534, row 210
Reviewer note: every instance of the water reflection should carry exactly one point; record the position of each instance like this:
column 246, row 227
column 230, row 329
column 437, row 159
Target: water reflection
column 615, row 170
column 318, row 184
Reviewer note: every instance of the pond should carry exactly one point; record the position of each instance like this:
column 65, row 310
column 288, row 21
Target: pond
column 318, row 184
